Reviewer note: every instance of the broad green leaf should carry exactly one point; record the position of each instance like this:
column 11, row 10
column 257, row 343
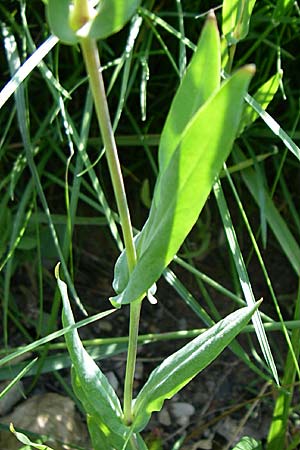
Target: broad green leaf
column 96, row 392
column 58, row 19
column 108, row 18
column 263, row 96
column 98, row 433
column 101, row 432
column 178, row 369
column 248, row 443
column 186, row 183
column 98, row 438
column 236, row 16
column 201, row 79
column 111, row 16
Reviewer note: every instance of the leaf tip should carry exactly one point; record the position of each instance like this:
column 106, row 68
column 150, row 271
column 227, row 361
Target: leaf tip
column 259, row 302
column 115, row 301
column 211, row 15
column 250, row 68
column 56, row 270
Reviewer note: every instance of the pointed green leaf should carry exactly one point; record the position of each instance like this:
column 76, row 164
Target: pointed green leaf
column 101, row 441
column 98, row 396
column 98, row 437
column 178, row 369
column 201, row 79
column 236, row 16
column 58, row 19
column 100, row 431
column 111, row 16
column 263, row 96
column 186, row 183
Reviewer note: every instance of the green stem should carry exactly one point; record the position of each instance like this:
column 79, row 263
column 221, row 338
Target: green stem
column 92, row 62
column 135, row 310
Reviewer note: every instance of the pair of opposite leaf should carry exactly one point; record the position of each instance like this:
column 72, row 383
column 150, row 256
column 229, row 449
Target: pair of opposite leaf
column 106, row 18
column 198, row 135
column 191, row 151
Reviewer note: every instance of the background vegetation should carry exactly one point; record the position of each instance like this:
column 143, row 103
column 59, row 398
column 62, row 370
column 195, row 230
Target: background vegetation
column 54, row 183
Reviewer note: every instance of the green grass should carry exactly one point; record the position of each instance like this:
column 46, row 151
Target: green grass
column 54, row 185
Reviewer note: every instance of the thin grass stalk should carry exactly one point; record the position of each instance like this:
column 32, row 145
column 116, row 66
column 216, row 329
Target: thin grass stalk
column 279, row 425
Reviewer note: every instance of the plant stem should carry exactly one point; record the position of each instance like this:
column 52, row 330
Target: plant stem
column 92, row 62
column 135, row 310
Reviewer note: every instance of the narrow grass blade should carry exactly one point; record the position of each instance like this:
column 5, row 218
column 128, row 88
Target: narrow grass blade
column 18, row 228
column 243, row 277
column 261, row 189
column 274, row 126
column 109, row 214
column 270, row 122
column 19, row 76
column 281, row 414
column 61, row 360
column 178, row 369
column 266, row 275
column 18, row 377
column 47, row 74
column 281, row 9
column 50, row 337
column 14, row 64
column 279, row 227
column 182, row 50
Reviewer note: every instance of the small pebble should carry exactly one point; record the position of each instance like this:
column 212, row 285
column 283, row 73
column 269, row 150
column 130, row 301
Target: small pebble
column 139, row 370
column 113, row 380
column 11, row 398
column 182, row 412
column 164, row 417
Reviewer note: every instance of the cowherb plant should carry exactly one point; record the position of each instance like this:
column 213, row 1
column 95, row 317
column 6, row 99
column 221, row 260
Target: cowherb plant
column 191, row 154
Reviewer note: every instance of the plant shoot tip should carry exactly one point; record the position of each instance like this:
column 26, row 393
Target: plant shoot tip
column 56, row 270
column 251, row 68
column 211, row 15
